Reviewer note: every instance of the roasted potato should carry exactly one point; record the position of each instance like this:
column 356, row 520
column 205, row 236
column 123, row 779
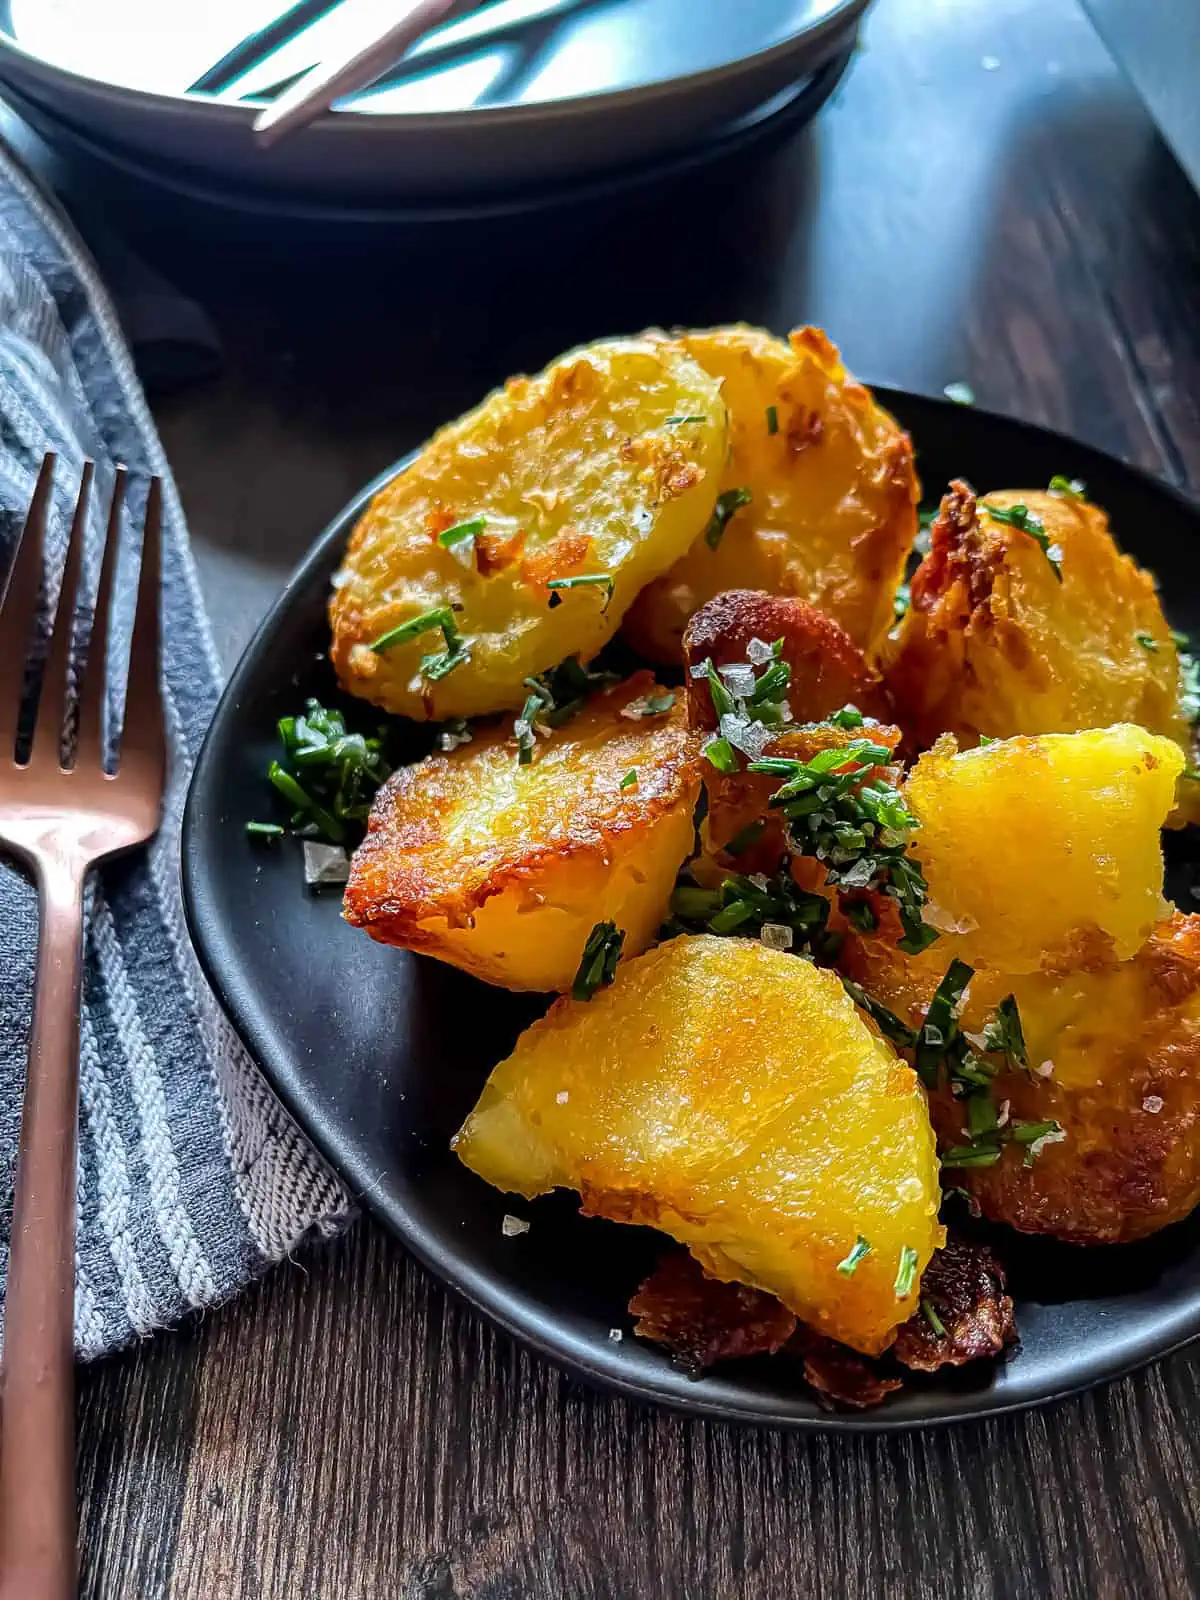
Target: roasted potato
column 1039, row 850
column 994, row 642
column 598, row 473
column 1113, row 1052
column 833, row 494
column 731, row 1096
column 503, row 869
column 828, row 670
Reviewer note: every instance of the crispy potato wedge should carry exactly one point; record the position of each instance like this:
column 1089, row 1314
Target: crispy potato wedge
column 503, row 869
column 832, row 514
column 1039, row 850
column 731, row 1096
column 828, row 670
column 604, row 466
column 993, row 643
column 1113, row 1056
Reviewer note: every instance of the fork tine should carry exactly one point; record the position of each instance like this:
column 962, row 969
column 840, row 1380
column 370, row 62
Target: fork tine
column 52, row 703
column 143, row 733
column 90, row 745
column 19, row 605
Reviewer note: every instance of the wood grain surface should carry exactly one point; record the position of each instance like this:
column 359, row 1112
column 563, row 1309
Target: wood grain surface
column 985, row 200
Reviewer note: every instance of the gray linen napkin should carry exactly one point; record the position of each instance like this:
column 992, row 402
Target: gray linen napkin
column 192, row 1178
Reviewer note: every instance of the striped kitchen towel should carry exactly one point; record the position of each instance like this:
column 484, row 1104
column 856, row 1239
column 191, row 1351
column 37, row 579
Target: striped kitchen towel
column 191, row 1178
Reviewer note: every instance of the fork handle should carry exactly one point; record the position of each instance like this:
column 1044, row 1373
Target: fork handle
column 37, row 1422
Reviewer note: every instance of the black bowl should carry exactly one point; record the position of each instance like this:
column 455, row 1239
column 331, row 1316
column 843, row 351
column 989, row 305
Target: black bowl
column 380, row 1054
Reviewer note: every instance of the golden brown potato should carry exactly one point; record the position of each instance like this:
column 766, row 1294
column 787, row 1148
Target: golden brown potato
column 833, row 494
column 1113, row 1054
column 597, row 474
column 1036, row 850
column 731, row 1096
column 828, row 670
column 504, row 869
column 994, row 643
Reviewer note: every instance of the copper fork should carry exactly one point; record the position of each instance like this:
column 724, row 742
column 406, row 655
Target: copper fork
column 61, row 814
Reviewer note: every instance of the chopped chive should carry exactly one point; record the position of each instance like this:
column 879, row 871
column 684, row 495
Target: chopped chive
column 461, row 530
column 986, row 739
column 719, row 753
column 439, row 617
column 697, row 904
column 1147, row 641
column 848, row 717
column 725, row 507
column 888, row 1023
column 859, row 1250
column 587, row 580
column 772, row 419
column 723, row 702
column 435, row 667
column 932, row 1318
column 299, row 797
column 969, row 1155
column 1070, row 488
column 1020, row 516
column 674, row 421
column 906, row 1272
column 1004, row 1033
column 265, row 830
column 630, row 779
column 598, row 963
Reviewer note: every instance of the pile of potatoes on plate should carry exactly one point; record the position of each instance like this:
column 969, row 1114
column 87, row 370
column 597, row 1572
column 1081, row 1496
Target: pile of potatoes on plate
column 841, row 897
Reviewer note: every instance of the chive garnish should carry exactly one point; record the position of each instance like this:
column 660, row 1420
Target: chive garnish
column 932, row 1318
column 888, row 1023
column 907, row 1272
column 1068, row 488
column 439, row 617
column 718, row 753
column 328, row 774
column 587, row 580
column 629, row 780
column 848, row 717
column 598, row 963
column 1005, row 1035
column 299, row 797
column 436, row 666
column 1020, row 516
column 725, row 507
column 265, row 830
column 553, row 699
column 772, row 419
column 673, row 421
column 940, row 1028
column 460, row 531
column 859, row 1250
column 1147, row 641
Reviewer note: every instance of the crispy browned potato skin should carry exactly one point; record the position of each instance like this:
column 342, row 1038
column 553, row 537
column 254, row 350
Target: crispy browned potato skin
column 993, row 643
column 1122, row 1038
column 503, row 870
column 829, row 671
column 833, row 512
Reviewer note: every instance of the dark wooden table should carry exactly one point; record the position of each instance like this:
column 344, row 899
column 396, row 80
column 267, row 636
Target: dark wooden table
column 985, row 200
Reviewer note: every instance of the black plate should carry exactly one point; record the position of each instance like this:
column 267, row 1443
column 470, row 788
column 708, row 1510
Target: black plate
column 380, row 1054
